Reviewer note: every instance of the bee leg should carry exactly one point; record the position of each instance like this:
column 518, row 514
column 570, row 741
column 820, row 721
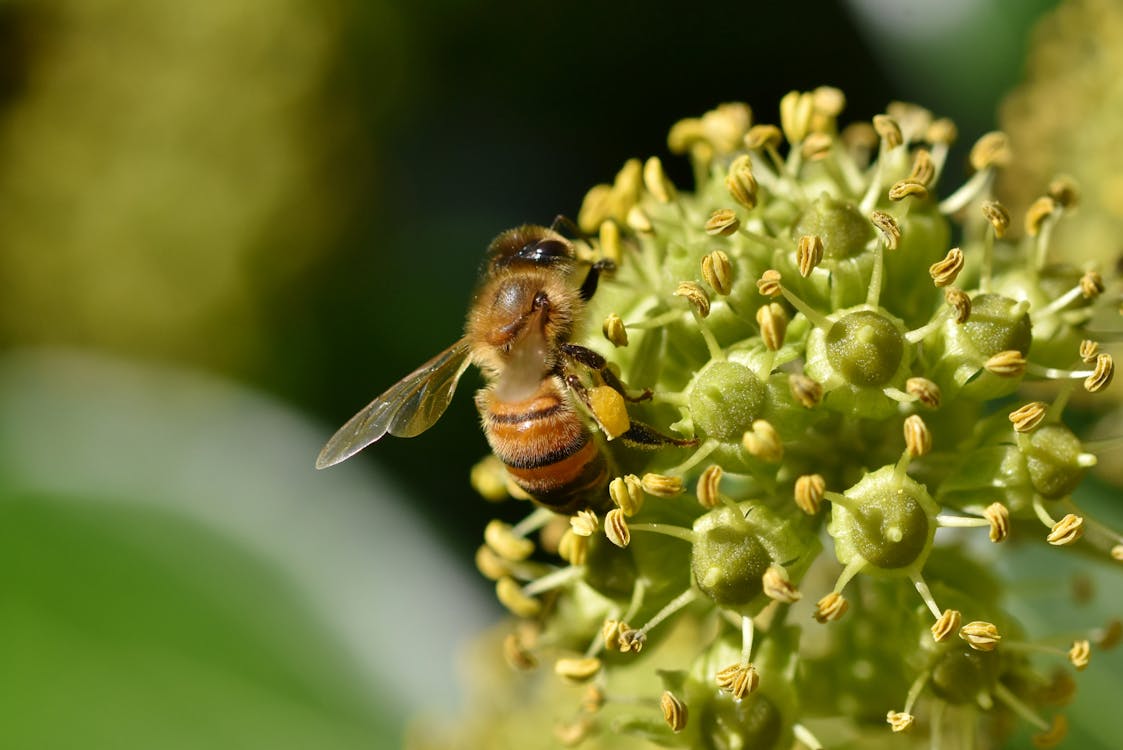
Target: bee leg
column 595, row 362
column 589, row 286
column 573, row 382
column 638, row 434
column 644, row 436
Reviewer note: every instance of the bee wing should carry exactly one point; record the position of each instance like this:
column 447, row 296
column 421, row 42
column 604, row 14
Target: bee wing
column 408, row 408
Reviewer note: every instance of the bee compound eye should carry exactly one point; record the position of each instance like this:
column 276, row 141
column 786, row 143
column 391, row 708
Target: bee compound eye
column 545, row 251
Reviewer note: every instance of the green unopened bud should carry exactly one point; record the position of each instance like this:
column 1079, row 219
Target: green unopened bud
column 888, row 519
column 1054, row 461
column 996, row 324
column 724, row 400
column 841, row 227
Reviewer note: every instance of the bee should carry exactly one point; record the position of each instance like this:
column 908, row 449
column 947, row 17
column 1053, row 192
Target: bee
column 521, row 322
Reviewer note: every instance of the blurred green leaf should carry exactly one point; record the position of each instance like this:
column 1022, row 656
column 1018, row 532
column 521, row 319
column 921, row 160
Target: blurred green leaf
column 175, row 573
column 127, row 628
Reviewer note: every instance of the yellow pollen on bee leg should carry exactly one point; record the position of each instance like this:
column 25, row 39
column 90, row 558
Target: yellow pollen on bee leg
column 608, row 407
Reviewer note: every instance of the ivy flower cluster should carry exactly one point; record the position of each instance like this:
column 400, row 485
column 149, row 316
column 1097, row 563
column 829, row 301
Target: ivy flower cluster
column 874, row 378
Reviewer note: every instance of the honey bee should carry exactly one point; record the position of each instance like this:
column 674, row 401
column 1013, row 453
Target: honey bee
column 525, row 311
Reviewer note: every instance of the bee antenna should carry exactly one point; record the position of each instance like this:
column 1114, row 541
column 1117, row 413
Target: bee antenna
column 562, row 222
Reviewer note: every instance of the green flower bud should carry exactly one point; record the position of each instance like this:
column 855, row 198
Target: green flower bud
column 733, row 549
column 987, row 474
column 865, row 348
column 753, row 722
column 843, row 229
column 861, row 353
column 958, row 352
column 763, row 718
column 1052, row 456
column 609, row 569
column 888, row 520
column 728, row 562
column 924, row 243
column 961, row 674
column 724, row 399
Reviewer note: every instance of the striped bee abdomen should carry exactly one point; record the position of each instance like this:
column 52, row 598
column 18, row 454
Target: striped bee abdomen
column 547, row 448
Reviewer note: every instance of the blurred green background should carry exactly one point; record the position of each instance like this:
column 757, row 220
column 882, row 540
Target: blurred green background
column 227, row 225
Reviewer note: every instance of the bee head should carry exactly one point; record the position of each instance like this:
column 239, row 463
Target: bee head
column 530, row 246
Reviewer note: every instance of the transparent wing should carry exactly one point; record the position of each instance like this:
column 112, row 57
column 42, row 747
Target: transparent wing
column 409, row 408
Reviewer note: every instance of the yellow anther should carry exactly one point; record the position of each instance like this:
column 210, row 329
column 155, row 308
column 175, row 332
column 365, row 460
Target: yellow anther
column 980, row 635
column 693, row 293
column 489, row 478
column 741, row 183
column 1089, row 349
column 1027, row 418
column 490, row 564
column 608, row 236
column 1064, row 190
column 998, row 217
column 661, row 485
column 674, row 711
column 707, row 491
column 738, row 680
column 809, row 253
column 778, row 587
column 627, row 494
column 899, row 721
column 577, row 670
column 960, row 301
column 762, row 441
column 924, row 391
column 809, row 492
column 941, row 131
column 945, row 272
column 616, row 528
column 991, row 150
column 573, row 548
column 769, row 283
column 500, row 537
column 796, row 110
column 999, row 517
column 805, row 390
column 722, row 223
column 888, row 227
column 923, row 169
column 907, row 189
column 1040, row 210
column 763, row 136
column 948, row 623
column 1102, row 375
column 717, row 271
column 1066, row 531
column 889, row 131
column 1091, row 284
column 584, row 523
column 1080, row 654
column 517, row 655
column 1007, row 364
column 918, row 439
column 831, row 607
column 656, row 181
column 773, row 322
column 615, row 331
column 816, row 146
column 510, row 595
